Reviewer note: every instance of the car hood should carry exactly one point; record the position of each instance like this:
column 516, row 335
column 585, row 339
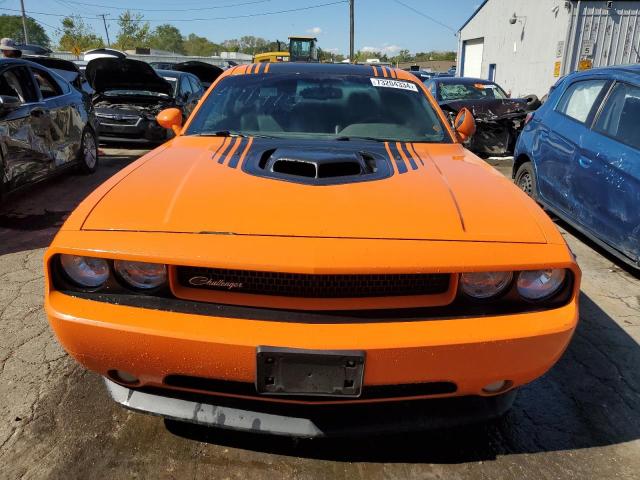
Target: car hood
column 207, row 186
column 488, row 107
column 205, row 72
column 105, row 74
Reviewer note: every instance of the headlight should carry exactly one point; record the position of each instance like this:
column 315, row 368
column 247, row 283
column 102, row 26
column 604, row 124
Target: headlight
column 540, row 284
column 140, row 274
column 484, row 285
column 88, row 272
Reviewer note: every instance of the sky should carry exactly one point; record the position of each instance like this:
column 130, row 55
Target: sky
column 380, row 25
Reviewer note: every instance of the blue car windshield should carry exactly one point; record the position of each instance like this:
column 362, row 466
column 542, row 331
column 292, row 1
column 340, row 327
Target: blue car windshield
column 319, row 106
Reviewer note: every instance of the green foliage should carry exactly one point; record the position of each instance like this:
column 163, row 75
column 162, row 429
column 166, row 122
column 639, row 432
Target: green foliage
column 199, row 46
column 433, row 55
column 76, row 35
column 11, row 27
column 167, row 37
column 134, row 32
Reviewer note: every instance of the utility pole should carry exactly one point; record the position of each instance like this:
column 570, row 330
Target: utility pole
column 24, row 23
column 106, row 30
column 351, row 49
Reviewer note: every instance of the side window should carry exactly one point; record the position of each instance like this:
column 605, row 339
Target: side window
column 49, row 88
column 579, row 98
column 16, row 82
column 620, row 117
column 196, row 86
column 185, row 86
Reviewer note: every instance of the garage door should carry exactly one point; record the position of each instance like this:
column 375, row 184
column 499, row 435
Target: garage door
column 473, row 57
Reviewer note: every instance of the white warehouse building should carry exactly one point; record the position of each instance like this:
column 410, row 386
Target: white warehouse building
column 526, row 45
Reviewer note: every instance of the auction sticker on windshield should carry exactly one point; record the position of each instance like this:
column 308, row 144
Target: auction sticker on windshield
column 385, row 82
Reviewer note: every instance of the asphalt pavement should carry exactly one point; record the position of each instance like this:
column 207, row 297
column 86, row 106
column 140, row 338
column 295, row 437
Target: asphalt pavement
column 581, row 420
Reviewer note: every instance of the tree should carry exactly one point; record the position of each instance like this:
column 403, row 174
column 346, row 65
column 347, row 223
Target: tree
column 199, row 46
column 167, row 37
column 403, row 56
column 134, row 32
column 76, row 35
column 434, row 55
column 11, row 27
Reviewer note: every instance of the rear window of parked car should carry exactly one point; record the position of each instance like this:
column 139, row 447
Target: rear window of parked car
column 579, row 98
column 313, row 106
column 620, row 117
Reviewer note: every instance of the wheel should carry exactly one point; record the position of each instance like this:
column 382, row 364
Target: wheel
column 533, row 102
column 88, row 154
column 526, row 179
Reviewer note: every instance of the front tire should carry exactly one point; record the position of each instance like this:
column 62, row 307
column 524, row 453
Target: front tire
column 526, row 179
column 88, row 154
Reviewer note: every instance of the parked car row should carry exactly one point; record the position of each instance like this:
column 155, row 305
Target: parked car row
column 53, row 112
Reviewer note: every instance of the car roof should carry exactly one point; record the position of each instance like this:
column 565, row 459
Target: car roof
column 632, row 68
column 320, row 68
column 463, row 80
column 170, row 73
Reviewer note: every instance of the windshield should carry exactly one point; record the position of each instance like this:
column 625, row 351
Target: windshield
column 471, row 91
column 313, row 106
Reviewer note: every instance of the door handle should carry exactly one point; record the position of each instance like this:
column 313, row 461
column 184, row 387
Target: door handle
column 584, row 162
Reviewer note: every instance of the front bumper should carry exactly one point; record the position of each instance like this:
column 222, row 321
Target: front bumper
column 156, row 344
column 142, row 131
column 314, row 422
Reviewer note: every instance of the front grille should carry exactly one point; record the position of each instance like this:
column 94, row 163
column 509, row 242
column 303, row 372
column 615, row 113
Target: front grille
column 118, row 120
column 313, row 286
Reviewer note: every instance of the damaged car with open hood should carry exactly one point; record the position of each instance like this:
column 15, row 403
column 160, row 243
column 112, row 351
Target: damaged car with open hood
column 130, row 93
column 499, row 119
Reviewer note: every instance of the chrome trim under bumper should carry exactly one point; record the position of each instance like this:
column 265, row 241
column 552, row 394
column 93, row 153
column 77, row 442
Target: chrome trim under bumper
column 343, row 420
column 211, row 415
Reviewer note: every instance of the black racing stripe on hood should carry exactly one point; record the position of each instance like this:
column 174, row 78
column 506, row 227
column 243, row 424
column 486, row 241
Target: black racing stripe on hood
column 241, row 152
column 396, row 158
column 224, row 149
column 403, row 149
column 414, row 153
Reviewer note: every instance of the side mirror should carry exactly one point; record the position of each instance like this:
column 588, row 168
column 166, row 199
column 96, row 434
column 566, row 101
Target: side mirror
column 170, row 118
column 9, row 102
column 464, row 125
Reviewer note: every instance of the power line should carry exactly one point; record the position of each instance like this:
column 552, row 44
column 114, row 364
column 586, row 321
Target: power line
column 422, row 14
column 252, row 2
column 232, row 17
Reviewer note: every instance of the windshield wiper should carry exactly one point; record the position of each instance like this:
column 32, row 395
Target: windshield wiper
column 371, row 139
column 221, row 133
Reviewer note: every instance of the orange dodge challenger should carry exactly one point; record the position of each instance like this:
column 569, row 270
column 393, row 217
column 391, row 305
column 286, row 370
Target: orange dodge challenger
column 314, row 253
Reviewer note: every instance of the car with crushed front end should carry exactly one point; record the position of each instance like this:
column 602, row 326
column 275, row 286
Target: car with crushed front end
column 46, row 126
column 498, row 117
column 315, row 253
column 130, row 93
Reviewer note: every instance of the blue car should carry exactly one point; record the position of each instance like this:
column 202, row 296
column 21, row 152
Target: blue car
column 579, row 156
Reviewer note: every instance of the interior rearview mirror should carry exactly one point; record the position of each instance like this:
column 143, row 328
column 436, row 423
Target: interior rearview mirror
column 170, row 118
column 9, row 102
column 464, row 125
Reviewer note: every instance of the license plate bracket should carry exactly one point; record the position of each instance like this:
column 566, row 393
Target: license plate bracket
column 297, row 372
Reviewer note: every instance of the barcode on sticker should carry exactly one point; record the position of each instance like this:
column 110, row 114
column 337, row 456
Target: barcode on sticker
column 388, row 83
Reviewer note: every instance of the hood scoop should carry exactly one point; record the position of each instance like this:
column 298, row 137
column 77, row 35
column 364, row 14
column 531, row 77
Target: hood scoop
column 315, row 167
